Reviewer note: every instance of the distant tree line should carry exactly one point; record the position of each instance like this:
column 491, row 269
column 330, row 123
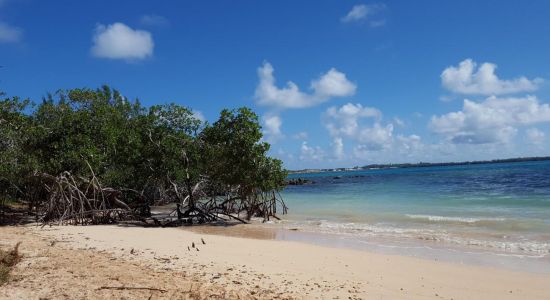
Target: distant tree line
column 424, row 165
column 461, row 163
column 94, row 156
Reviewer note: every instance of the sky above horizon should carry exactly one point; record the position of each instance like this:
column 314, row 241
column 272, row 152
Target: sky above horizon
column 335, row 83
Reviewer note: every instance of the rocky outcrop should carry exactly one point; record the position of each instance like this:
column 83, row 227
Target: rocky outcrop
column 298, row 181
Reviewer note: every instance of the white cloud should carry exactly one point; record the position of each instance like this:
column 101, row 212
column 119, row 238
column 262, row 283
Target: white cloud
column 10, row 34
column 308, row 153
column 377, row 137
column 360, row 130
column 331, row 84
column 118, row 41
column 272, row 126
column 302, row 135
column 535, row 136
column 356, row 13
column 398, row 122
column 338, row 148
column 363, row 12
column 466, row 79
column 154, row 20
column 362, row 152
column 492, row 121
column 345, row 121
column 409, row 144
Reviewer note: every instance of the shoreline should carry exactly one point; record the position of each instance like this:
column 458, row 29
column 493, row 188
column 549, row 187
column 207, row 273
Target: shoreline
column 408, row 247
column 293, row 269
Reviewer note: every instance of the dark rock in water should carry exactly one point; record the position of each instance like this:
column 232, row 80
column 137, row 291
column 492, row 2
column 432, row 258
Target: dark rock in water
column 298, row 181
column 337, row 177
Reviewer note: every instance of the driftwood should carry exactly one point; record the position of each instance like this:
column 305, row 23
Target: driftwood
column 131, row 288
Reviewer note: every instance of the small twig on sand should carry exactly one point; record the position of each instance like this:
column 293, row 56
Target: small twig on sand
column 131, row 288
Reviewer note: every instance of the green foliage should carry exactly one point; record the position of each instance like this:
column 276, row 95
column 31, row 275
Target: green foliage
column 14, row 126
column 131, row 147
column 237, row 155
column 84, row 126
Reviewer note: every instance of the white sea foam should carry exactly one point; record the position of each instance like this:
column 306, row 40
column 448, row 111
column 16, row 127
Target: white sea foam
column 468, row 220
column 503, row 244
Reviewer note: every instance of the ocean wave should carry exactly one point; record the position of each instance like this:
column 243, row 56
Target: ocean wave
column 468, row 220
column 497, row 243
column 363, row 227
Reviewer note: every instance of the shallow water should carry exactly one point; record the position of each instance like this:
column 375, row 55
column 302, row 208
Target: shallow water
column 496, row 214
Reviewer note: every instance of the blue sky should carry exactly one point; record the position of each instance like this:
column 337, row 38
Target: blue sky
column 372, row 82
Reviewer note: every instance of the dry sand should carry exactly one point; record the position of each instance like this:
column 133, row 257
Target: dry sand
column 76, row 262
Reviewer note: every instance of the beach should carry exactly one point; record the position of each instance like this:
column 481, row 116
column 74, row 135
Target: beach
column 161, row 263
column 274, row 150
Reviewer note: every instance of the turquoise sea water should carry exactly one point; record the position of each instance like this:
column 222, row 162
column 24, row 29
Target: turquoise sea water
column 502, row 209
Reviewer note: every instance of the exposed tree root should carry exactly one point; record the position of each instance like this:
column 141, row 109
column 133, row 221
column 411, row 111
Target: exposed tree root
column 82, row 201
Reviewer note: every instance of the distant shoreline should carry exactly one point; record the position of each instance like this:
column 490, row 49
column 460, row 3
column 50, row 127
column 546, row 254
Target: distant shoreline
column 423, row 165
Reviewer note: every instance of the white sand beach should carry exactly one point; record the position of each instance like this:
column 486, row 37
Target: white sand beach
column 235, row 267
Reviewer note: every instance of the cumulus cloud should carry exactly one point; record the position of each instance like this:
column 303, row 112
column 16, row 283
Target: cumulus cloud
column 492, row 121
column 345, row 121
column 333, row 84
column 338, row 148
column 535, row 136
column 118, row 41
column 329, row 85
column 377, row 137
column 308, row 153
column 10, row 34
column 410, row 143
column 362, row 12
column 272, row 127
column 154, row 20
column 468, row 79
